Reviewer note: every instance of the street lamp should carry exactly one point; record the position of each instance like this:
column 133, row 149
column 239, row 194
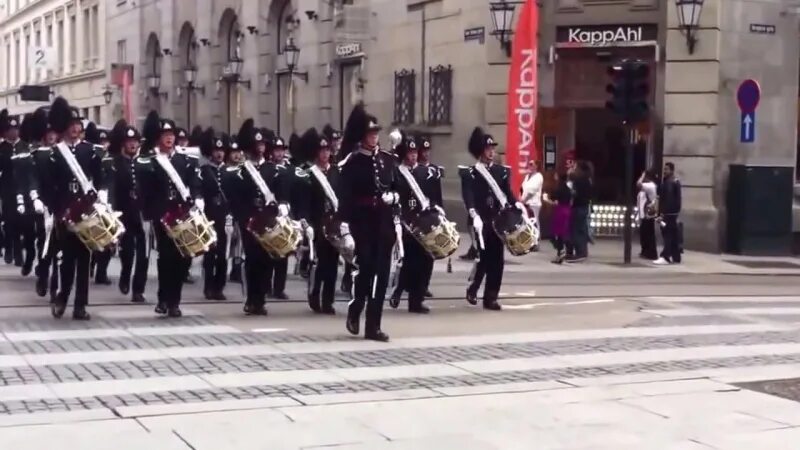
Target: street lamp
column 292, row 55
column 107, row 95
column 689, row 20
column 232, row 72
column 503, row 20
column 154, row 85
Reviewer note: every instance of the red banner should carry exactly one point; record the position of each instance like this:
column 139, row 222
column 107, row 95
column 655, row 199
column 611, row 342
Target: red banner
column 523, row 91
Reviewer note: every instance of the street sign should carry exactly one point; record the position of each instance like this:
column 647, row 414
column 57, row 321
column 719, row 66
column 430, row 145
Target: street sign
column 42, row 58
column 748, row 96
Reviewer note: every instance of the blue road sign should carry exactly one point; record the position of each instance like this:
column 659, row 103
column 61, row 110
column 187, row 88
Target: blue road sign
column 747, row 130
column 748, row 95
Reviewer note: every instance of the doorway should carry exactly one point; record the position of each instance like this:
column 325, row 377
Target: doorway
column 349, row 89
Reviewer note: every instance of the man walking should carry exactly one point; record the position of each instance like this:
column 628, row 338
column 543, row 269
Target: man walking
column 669, row 197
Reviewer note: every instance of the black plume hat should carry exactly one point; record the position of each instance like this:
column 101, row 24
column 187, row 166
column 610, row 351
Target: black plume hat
column 479, row 140
column 311, row 142
column 358, row 125
column 151, row 129
column 25, row 128
column 38, row 125
column 3, row 120
column 407, row 144
column 117, row 137
column 181, row 133
column 196, row 136
column 92, row 134
column 332, row 134
column 247, row 135
column 62, row 115
column 208, row 142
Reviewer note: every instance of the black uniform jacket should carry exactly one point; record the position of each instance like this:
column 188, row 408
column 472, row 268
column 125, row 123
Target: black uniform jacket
column 157, row 192
column 65, row 184
column 365, row 176
column 211, row 187
column 478, row 194
column 245, row 198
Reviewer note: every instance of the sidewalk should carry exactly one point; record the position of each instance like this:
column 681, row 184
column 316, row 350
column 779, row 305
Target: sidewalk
column 606, row 256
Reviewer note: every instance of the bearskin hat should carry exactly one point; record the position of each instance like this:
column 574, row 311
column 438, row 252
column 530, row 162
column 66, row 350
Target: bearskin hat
column 247, row 135
column 207, row 142
column 3, row 121
column 25, row 128
column 61, row 115
column 358, row 125
column 294, row 143
column 37, row 128
column 196, row 136
column 311, row 142
column 332, row 134
column 117, row 137
column 479, row 140
column 151, row 130
column 92, row 134
column 407, row 143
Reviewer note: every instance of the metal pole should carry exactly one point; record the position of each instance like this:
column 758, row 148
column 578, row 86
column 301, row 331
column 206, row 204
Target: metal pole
column 189, row 90
column 628, row 232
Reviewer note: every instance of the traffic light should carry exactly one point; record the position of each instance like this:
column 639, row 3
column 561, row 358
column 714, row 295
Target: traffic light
column 629, row 90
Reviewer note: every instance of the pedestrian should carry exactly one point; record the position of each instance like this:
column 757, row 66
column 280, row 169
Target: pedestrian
column 532, row 191
column 647, row 208
column 561, row 201
column 669, row 199
column 577, row 248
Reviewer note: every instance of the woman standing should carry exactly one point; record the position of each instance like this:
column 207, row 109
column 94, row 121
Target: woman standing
column 532, row 191
column 647, row 203
column 561, row 201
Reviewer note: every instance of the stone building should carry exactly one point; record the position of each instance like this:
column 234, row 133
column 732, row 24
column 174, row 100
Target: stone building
column 70, row 38
column 436, row 65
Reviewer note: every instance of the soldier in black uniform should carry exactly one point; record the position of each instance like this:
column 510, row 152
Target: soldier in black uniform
column 234, row 158
column 277, row 174
column 368, row 206
column 431, row 186
column 215, row 262
column 483, row 207
column 247, row 201
column 181, row 138
column 318, row 210
column 26, row 187
column 124, row 195
column 11, row 148
column 99, row 139
column 160, row 196
column 75, row 264
column 42, row 188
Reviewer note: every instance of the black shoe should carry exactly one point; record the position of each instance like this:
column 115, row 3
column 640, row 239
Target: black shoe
column 161, row 308
column 328, row 310
column 174, row 312
column 353, row 325
column 421, row 309
column 41, row 286
column 280, row 296
column 27, row 268
column 124, row 287
column 102, row 280
column 220, row 296
column 58, row 308
column 313, row 303
column 255, row 310
column 472, row 297
column 138, row 298
column 378, row 335
column 428, row 294
column 189, row 279
column 209, row 294
column 81, row 314
column 9, row 257
column 492, row 306
column 394, row 300
column 576, row 259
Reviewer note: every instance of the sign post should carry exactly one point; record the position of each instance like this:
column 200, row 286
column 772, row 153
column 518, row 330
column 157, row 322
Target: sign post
column 748, row 96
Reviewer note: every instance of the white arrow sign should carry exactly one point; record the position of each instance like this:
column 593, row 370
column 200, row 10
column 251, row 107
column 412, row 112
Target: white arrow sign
column 748, row 126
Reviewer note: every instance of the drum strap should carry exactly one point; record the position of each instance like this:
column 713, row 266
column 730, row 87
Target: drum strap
column 498, row 193
column 326, row 186
column 165, row 164
column 269, row 197
column 75, row 167
column 412, row 183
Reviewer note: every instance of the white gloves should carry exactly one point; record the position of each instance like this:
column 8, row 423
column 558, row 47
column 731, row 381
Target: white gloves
column 283, row 210
column 20, row 204
column 102, row 196
column 38, row 206
column 344, row 229
column 200, row 204
column 390, row 198
column 477, row 223
column 522, row 208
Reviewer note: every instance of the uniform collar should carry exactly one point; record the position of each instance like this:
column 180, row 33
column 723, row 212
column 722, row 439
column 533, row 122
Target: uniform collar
column 169, row 154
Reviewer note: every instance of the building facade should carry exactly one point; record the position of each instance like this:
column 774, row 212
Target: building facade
column 58, row 43
column 435, row 65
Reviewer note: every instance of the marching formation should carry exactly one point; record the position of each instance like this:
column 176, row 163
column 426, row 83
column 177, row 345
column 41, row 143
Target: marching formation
column 73, row 194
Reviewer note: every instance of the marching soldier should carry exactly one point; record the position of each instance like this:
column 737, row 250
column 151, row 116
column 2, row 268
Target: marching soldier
column 234, row 159
column 181, row 138
column 278, row 175
column 66, row 121
column 124, row 195
column 317, row 211
column 99, row 138
column 334, row 137
column 12, row 204
column 432, row 175
column 483, row 207
column 368, row 201
column 416, row 263
column 169, row 184
column 247, row 201
column 26, row 189
column 46, row 236
column 215, row 262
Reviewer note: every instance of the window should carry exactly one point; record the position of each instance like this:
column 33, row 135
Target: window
column 95, row 36
column 440, row 96
column 60, row 39
column 87, row 38
column 85, row 113
column 26, row 67
column 404, row 96
column 97, row 117
column 18, row 63
column 73, row 43
column 122, row 51
column 49, row 43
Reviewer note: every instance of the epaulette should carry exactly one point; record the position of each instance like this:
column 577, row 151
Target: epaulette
column 21, row 155
column 144, row 159
column 300, row 172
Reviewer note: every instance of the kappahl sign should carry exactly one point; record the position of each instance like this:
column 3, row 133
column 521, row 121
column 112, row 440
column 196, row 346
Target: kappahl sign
column 605, row 35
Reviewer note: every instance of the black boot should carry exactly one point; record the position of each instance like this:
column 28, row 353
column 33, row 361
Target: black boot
column 353, row 324
column 79, row 313
column 174, row 312
column 376, row 335
column 138, row 298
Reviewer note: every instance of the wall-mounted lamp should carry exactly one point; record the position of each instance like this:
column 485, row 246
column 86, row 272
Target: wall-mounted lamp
column 312, row 15
column 205, row 42
column 292, row 54
column 232, row 73
column 503, row 20
column 689, row 20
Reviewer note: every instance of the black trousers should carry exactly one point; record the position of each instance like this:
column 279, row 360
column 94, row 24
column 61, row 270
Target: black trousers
column 374, row 261
column 75, row 260
column 275, row 275
column 415, row 273
column 492, row 262
column 133, row 247
column 255, row 263
column 48, row 267
column 27, row 233
column 671, row 235
column 39, row 235
column 12, row 233
column 323, row 278
column 101, row 260
column 172, row 268
column 215, row 262
column 647, row 239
